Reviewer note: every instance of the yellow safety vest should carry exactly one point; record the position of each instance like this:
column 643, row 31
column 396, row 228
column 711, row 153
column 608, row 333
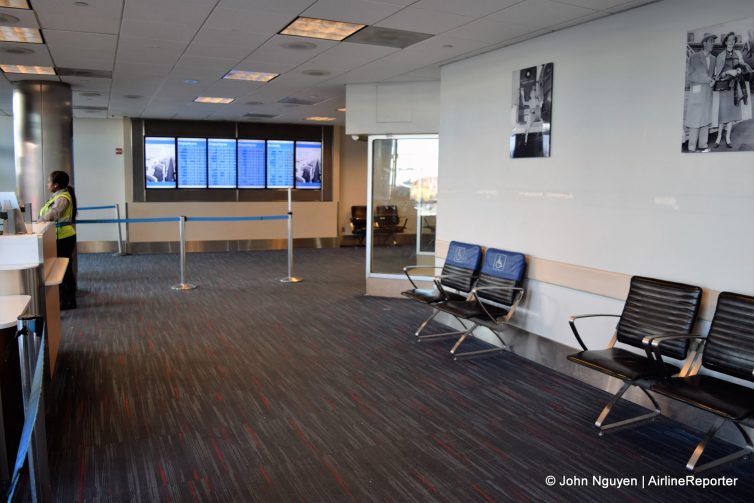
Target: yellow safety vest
column 65, row 230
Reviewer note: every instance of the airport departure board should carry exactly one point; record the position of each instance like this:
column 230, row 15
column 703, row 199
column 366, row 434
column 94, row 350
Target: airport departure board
column 308, row 165
column 192, row 163
column 159, row 162
column 222, row 163
column 279, row 164
column 251, row 164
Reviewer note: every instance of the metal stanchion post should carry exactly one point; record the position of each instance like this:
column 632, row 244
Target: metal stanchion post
column 120, row 251
column 31, row 328
column 182, row 236
column 290, row 278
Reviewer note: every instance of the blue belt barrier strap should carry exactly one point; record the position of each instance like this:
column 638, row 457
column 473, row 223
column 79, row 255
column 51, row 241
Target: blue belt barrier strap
column 228, row 219
column 127, row 220
column 95, row 207
column 31, row 419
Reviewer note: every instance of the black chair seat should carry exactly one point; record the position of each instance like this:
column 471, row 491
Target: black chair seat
column 618, row 362
column 720, row 397
column 468, row 310
column 430, row 295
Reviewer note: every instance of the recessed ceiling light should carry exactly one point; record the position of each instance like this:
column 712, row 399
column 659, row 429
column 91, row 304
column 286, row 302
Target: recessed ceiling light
column 81, row 4
column 299, row 46
column 18, row 34
column 35, row 70
column 341, row 109
column 319, row 119
column 253, row 76
column 321, row 28
column 132, row 96
column 316, row 73
column 8, row 19
column 190, row 82
column 15, row 4
column 209, row 99
column 16, row 50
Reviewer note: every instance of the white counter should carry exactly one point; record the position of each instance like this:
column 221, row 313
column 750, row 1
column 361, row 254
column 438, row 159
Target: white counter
column 11, row 307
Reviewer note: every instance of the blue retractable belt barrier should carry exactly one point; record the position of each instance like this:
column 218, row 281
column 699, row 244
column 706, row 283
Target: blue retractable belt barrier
column 84, row 208
column 127, row 220
column 226, row 219
column 30, row 421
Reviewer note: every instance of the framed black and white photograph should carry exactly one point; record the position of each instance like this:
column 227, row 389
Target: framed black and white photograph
column 531, row 111
column 717, row 112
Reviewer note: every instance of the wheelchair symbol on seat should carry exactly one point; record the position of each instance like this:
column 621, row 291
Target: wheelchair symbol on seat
column 460, row 255
column 499, row 263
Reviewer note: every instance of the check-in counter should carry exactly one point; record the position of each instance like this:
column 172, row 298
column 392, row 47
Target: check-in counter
column 29, row 265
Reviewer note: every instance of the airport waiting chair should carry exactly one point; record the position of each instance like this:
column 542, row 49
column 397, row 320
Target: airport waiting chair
column 493, row 300
column 653, row 308
column 455, row 281
column 387, row 222
column 727, row 350
column 359, row 222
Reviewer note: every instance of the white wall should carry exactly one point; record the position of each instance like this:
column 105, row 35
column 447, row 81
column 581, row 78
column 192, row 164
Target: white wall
column 617, row 193
column 401, row 108
column 7, row 159
column 353, row 178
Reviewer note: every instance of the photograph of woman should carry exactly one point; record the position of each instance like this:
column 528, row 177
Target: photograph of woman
column 718, row 105
column 531, row 111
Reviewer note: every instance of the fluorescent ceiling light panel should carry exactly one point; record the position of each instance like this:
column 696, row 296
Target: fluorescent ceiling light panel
column 321, row 28
column 253, row 76
column 15, row 34
column 319, row 119
column 15, row 4
column 209, row 99
column 36, row 70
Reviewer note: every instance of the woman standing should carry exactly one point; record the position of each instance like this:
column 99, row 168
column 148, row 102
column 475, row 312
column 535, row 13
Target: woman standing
column 729, row 65
column 61, row 208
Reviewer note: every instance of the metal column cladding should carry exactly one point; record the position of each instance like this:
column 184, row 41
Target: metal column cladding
column 42, row 136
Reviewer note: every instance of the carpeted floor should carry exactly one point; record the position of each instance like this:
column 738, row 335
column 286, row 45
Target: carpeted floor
column 251, row 390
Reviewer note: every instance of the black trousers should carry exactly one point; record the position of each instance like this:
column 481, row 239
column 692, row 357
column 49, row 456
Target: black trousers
column 67, row 248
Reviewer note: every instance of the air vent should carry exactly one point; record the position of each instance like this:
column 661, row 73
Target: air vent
column 89, row 94
column 90, row 108
column 16, row 50
column 302, row 101
column 387, row 37
column 260, row 116
column 80, row 72
column 316, row 73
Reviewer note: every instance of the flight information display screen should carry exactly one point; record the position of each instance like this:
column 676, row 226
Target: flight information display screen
column 251, row 164
column 159, row 162
column 222, row 163
column 279, row 164
column 192, row 163
column 308, row 165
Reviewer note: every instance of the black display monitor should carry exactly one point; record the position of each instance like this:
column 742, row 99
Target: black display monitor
column 308, row 165
column 279, row 164
column 159, row 162
column 251, row 164
column 192, row 163
column 222, row 163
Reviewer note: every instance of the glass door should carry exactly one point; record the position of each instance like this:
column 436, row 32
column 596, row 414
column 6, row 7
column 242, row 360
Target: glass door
column 402, row 202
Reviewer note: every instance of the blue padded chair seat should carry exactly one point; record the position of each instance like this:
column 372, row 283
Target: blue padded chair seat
column 618, row 362
column 431, row 295
column 720, row 397
column 468, row 310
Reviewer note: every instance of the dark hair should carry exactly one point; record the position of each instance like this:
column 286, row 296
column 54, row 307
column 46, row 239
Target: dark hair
column 731, row 34
column 62, row 180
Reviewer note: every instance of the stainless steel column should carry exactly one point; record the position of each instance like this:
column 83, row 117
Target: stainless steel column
column 42, row 136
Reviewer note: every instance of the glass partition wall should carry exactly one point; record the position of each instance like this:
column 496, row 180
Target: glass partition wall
column 402, row 202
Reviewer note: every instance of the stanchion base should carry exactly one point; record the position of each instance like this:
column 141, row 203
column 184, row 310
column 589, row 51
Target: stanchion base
column 183, row 286
column 292, row 279
column 119, row 254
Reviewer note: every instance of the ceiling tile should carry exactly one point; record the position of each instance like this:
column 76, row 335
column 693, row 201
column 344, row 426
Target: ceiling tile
column 346, row 56
column 165, row 31
column 245, row 20
column 205, row 64
column 424, row 21
column 630, row 5
column 26, row 18
column 102, row 16
column 273, row 51
column 595, row 4
column 539, row 13
column 290, row 7
column 40, row 56
column 210, row 46
column 490, row 32
column 92, row 51
column 187, row 12
column 471, row 8
column 88, row 84
column 353, row 11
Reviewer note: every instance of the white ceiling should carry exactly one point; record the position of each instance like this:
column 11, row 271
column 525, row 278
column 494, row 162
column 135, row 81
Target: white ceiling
column 153, row 46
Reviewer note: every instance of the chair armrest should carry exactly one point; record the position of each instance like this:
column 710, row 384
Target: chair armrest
column 572, row 323
column 511, row 308
column 409, row 268
column 655, row 342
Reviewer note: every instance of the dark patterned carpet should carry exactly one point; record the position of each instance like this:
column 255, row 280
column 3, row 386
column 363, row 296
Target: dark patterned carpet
column 250, row 390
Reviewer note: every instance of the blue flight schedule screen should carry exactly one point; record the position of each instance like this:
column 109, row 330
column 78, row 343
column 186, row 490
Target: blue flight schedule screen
column 308, row 165
column 251, row 157
column 222, row 164
column 192, row 163
column 159, row 162
column 279, row 164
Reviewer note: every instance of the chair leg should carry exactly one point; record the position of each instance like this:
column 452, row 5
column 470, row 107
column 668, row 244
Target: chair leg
column 443, row 335
column 743, row 453
column 618, row 425
column 478, row 352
